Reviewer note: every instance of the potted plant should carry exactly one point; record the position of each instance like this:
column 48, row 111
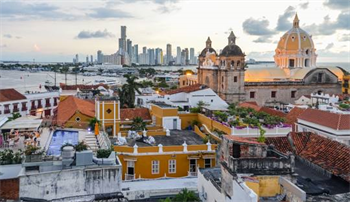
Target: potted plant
column 33, row 154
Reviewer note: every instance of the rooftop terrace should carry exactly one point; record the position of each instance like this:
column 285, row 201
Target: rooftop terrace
column 177, row 137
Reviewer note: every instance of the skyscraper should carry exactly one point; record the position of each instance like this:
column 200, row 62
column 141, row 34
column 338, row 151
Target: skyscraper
column 129, row 48
column 122, row 39
column 168, row 53
column 99, row 57
column 178, row 55
column 192, row 60
column 136, row 53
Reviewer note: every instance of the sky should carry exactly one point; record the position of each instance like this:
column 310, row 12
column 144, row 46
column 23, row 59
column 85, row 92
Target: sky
column 56, row 30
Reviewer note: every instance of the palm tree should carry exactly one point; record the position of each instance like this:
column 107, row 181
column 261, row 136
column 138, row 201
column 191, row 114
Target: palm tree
column 129, row 89
column 186, row 196
column 138, row 124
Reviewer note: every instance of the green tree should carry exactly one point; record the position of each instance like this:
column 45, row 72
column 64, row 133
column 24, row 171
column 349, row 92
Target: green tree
column 93, row 121
column 186, row 196
column 15, row 115
column 129, row 90
column 138, row 124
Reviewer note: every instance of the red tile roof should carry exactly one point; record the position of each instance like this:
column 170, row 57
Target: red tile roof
column 273, row 112
column 129, row 114
column 10, row 94
column 82, row 87
column 327, row 119
column 252, row 105
column 293, row 115
column 331, row 155
column 186, row 89
column 256, row 107
column 281, row 144
column 328, row 154
column 243, row 140
column 68, row 107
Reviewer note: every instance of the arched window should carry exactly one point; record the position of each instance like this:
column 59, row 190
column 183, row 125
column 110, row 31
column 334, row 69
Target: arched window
column 232, row 63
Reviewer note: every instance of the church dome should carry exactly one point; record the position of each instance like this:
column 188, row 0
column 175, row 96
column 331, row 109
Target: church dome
column 295, row 39
column 295, row 49
column 205, row 50
column 232, row 50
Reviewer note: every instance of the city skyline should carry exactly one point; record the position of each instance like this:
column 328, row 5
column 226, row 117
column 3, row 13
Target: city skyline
column 56, row 31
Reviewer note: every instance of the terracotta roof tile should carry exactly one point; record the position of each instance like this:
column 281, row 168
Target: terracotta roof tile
column 331, row 155
column 129, row 114
column 68, row 107
column 293, row 115
column 186, row 89
column 281, row 144
column 327, row 119
column 10, row 95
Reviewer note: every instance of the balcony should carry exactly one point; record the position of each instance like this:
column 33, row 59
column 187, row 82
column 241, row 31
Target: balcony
column 129, row 177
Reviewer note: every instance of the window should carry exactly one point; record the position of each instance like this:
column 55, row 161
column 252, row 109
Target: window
column 193, row 165
column 273, row 94
column 130, row 167
column 172, row 166
column 319, row 77
column 235, row 79
column 207, row 163
column 252, row 95
column 155, row 167
column 293, row 93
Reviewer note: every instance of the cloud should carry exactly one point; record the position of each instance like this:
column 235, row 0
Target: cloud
column 338, row 4
column 36, row 47
column 103, row 13
column 345, row 37
column 328, row 27
column 96, row 34
column 166, row 9
column 304, row 5
column 257, row 27
column 19, row 10
column 263, row 39
column 329, row 46
column 268, row 55
column 7, row 36
column 283, row 23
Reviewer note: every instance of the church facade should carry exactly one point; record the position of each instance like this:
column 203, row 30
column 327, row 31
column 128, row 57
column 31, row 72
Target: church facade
column 295, row 73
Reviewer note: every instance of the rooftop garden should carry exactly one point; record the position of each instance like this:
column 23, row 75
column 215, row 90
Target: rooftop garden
column 241, row 117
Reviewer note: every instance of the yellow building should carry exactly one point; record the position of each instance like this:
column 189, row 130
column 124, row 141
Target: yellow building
column 345, row 86
column 175, row 154
column 73, row 112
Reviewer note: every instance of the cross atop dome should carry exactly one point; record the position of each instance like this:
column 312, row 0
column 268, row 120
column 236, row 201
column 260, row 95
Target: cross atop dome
column 296, row 21
column 232, row 39
column 208, row 43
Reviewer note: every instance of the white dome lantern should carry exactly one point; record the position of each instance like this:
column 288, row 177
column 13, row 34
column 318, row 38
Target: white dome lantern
column 295, row 49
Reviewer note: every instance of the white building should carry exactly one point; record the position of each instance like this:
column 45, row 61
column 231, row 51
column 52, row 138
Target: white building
column 331, row 125
column 186, row 98
column 36, row 104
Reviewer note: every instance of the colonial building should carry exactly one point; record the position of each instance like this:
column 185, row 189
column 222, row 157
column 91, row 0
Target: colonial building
column 295, row 73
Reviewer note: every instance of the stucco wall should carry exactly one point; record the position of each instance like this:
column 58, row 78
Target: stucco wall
column 70, row 183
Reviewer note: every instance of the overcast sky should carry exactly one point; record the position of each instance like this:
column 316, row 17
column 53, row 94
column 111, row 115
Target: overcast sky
column 56, row 30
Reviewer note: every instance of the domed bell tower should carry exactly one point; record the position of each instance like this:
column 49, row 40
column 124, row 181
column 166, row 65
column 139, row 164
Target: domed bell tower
column 232, row 68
